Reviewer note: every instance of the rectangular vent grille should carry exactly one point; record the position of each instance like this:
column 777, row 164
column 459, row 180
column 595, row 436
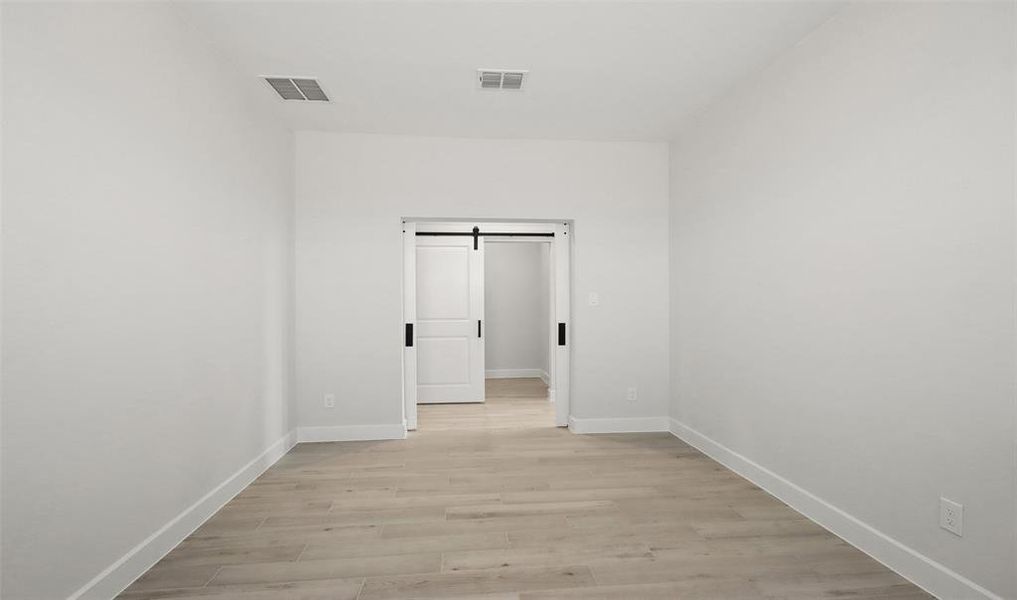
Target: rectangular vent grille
column 293, row 88
column 500, row 79
column 490, row 80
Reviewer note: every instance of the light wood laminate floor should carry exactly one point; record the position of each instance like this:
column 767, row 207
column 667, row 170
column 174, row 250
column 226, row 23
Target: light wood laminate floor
column 492, row 502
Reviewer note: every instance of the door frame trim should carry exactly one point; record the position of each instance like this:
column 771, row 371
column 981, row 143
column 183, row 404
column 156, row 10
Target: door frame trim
column 555, row 232
column 409, row 354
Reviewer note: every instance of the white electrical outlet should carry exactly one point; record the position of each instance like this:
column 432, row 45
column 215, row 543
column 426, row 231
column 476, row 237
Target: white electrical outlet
column 951, row 516
column 632, row 394
column 329, row 401
column 594, row 299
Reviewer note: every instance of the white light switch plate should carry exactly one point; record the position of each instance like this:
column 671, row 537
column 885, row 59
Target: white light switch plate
column 594, row 299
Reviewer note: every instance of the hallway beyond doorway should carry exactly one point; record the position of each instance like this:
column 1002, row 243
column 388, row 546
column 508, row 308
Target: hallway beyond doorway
column 511, row 404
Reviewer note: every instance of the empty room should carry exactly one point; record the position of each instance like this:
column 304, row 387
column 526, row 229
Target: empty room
column 494, row 300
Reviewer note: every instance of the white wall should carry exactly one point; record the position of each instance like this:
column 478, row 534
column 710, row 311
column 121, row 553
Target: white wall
column 352, row 191
column 516, row 304
column 842, row 274
column 146, row 229
column 547, row 312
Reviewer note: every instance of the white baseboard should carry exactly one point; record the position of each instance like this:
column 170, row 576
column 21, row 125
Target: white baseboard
column 545, row 377
column 122, row 573
column 928, row 574
column 351, row 433
column 619, row 425
column 514, row 373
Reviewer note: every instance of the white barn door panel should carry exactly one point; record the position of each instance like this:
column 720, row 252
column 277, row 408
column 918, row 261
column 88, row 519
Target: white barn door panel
column 449, row 316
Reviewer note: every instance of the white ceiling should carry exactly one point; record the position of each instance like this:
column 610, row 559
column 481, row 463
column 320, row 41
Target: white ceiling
column 598, row 70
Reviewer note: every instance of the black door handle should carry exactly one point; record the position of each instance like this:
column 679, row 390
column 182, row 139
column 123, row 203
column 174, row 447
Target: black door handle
column 561, row 334
column 409, row 335
column 478, row 328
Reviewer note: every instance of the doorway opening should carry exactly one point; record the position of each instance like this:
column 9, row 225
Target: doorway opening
column 487, row 328
column 518, row 347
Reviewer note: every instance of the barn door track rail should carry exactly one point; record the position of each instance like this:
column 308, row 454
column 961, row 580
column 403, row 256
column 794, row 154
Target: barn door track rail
column 476, row 233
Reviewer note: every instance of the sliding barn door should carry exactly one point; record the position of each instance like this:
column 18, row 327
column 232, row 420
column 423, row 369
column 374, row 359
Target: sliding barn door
column 450, row 313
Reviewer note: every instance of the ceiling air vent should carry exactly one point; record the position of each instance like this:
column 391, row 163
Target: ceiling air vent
column 500, row 79
column 297, row 88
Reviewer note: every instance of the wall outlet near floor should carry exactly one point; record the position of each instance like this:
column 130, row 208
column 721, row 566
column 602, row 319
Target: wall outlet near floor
column 951, row 516
column 329, row 401
column 632, row 394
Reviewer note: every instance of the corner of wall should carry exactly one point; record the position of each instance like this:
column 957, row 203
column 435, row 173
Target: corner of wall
column 933, row 577
column 122, row 573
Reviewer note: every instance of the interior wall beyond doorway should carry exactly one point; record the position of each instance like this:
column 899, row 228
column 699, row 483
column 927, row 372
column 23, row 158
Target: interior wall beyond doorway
column 517, row 309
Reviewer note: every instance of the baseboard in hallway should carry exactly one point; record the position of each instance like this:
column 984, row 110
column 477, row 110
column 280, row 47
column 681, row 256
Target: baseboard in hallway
column 518, row 374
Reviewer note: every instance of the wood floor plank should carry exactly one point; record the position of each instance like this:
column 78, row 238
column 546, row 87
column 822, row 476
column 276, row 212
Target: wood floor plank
column 454, row 585
column 685, row 590
column 328, row 568
column 354, row 517
column 537, row 556
column 868, row 585
column 722, row 568
column 335, row 534
column 492, row 502
column 488, row 511
column 165, row 575
column 573, row 495
column 233, row 554
column 408, row 545
column 323, row 589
